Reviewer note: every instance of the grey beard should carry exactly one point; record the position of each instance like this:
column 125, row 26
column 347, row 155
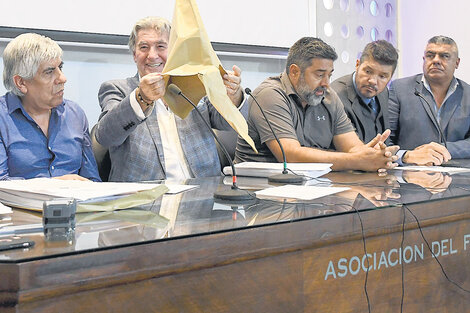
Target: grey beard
column 314, row 100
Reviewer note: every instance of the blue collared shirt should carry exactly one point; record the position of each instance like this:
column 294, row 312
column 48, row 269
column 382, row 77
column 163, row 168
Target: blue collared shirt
column 364, row 99
column 452, row 87
column 25, row 152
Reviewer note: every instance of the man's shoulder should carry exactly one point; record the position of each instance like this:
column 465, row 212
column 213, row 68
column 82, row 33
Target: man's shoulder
column 3, row 101
column 74, row 107
column 129, row 83
column 332, row 100
column 342, row 86
column 270, row 89
column 270, row 83
column 408, row 82
column 464, row 85
column 342, row 82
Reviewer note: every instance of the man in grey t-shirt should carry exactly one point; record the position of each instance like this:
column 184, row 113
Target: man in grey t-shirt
column 308, row 117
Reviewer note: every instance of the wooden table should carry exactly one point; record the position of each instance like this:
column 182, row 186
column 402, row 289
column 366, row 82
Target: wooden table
column 263, row 257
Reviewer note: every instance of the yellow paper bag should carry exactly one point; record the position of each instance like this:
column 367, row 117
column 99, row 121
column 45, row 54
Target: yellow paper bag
column 193, row 66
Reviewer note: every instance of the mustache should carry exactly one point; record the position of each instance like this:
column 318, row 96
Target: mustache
column 373, row 87
column 59, row 88
column 320, row 89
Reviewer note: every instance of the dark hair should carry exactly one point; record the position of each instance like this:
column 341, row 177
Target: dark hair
column 381, row 51
column 444, row 40
column 306, row 49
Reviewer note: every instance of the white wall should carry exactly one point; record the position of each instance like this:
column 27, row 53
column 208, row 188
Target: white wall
column 420, row 20
column 273, row 23
column 86, row 69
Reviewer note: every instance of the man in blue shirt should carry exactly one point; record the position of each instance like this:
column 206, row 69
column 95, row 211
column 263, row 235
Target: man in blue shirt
column 42, row 135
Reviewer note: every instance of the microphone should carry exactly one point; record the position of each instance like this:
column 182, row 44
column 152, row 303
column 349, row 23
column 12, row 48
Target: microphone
column 285, row 177
column 441, row 134
column 234, row 193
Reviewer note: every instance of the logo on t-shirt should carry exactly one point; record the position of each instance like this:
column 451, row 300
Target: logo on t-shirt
column 321, row 118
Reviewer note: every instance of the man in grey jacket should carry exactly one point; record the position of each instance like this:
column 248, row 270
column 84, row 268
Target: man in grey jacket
column 145, row 139
column 364, row 93
column 430, row 112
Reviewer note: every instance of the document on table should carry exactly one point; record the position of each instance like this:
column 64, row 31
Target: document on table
column 174, row 189
column 266, row 169
column 4, row 209
column 298, row 192
column 31, row 193
column 442, row 169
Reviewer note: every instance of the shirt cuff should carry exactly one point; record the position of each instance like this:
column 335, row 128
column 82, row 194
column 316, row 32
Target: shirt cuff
column 243, row 100
column 400, row 155
column 141, row 115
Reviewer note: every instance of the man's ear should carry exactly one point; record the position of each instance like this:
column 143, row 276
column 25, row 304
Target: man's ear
column 135, row 58
column 294, row 74
column 20, row 84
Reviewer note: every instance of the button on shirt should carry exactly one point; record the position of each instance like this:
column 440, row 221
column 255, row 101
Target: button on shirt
column 26, row 152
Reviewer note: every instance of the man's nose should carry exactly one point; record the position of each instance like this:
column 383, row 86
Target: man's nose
column 372, row 80
column 325, row 82
column 153, row 53
column 61, row 79
column 436, row 59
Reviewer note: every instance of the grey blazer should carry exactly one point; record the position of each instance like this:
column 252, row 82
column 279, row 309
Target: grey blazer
column 354, row 109
column 411, row 118
column 135, row 146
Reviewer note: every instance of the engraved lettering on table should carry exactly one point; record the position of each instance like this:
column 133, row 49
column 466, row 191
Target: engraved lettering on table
column 443, row 247
column 466, row 241
column 377, row 261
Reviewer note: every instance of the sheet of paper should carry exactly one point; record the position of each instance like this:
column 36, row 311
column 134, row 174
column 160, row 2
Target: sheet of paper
column 5, row 209
column 174, row 189
column 80, row 190
column 299, row 192
column 265, row 169
column 442, row 169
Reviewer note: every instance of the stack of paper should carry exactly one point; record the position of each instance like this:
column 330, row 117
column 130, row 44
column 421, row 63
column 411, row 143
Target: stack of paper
column 263, row 169
column 31, row 193
column 4, row 209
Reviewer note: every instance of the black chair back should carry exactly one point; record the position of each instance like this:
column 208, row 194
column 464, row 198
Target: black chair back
column 101, row 156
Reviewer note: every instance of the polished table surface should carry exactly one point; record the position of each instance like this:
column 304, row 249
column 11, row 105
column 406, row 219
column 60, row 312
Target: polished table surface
column 187, row 252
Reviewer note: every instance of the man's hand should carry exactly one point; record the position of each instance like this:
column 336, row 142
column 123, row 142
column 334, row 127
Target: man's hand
column 428, row 154
column 374, row 159
column 232, row 82
column 151, row 88
column 433, row 182
column 378, row 144
column 71, row 177
column 378, row 196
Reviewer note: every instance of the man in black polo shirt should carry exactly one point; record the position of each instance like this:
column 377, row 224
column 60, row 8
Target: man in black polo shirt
column 364, row 93
column 308, row 117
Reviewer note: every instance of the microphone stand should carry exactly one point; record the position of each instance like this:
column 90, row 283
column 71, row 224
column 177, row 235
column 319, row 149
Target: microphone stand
column 285, row 177
column 234, row 193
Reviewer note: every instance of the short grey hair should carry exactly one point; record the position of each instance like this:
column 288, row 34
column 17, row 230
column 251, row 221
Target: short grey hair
column 444, row 40
column 160, row 24
column 23, row 56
